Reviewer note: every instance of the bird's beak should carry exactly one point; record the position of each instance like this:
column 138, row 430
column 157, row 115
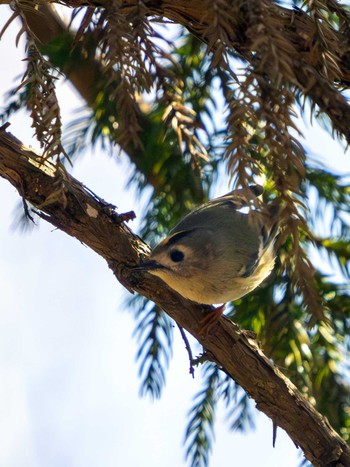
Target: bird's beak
column 149, row 265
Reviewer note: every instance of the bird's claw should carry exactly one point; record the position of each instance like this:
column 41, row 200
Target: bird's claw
column 211, row 319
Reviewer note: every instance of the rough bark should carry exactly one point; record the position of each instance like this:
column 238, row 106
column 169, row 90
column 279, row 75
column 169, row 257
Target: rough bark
column 70, row 206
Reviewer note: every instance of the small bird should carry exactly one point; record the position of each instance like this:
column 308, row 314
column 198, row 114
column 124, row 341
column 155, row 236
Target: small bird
column 217, row 253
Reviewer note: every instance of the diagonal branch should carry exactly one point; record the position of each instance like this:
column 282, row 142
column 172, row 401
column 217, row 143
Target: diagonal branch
column 70, row 206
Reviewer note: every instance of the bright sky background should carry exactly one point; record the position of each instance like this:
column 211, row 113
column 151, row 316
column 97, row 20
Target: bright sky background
column 69, row 391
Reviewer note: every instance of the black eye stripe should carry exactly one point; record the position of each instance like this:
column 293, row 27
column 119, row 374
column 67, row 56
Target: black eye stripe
column 176, row 256
column 174, row 238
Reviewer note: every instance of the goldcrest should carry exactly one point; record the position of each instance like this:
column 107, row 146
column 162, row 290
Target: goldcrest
column 217, row 253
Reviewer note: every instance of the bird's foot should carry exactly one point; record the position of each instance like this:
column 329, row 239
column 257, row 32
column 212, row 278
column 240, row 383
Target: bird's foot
column 211, row 319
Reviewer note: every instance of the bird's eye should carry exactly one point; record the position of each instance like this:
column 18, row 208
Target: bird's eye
column 176, row 256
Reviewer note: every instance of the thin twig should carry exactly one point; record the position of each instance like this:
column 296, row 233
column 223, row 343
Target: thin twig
column 188, row 348
column 274, row 434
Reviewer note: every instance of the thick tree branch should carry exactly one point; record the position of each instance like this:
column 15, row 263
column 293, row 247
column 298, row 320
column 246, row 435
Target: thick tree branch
column 67, row 204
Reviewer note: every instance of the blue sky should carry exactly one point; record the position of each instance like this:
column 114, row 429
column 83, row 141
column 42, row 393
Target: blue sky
column 69, row 393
